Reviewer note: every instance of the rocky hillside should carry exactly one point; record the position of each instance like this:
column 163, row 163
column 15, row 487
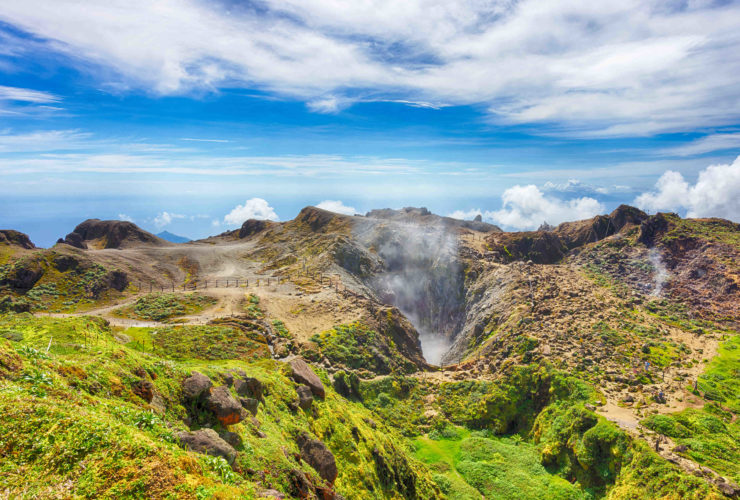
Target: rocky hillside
column 596, row 359
column 98, row 234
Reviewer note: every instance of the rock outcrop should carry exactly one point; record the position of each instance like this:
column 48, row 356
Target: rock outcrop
column 317, row 455
column 15, row 238
column 98, row 234
column 195, row 386
column 303, row 374
column 305, row 397
column 208, row 441
column 227, row 410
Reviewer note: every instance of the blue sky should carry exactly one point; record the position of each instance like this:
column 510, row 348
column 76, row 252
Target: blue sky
column 190, row 116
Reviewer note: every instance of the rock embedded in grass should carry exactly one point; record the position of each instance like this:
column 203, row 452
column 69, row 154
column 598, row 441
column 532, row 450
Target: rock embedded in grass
column 249, row 387
column 195, row 386
column 227, row 410
column 317, row 455
column 305, row 397
column 250, row 404
column 209, row 442
column 303, row 374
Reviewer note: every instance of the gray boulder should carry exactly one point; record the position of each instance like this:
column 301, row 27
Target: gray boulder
column 305, row 396
column 249, row 387
column 250, row 404
column 317, row 455
column 227, row 410
column 195, row 386
column 207, row 441
column 303, row 374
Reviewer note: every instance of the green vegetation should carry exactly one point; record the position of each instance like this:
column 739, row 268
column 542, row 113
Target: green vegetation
column 468, row 465
column 162, row 307
column 711, row 436
column 73, row 425
column 253, row 307
column 199, row 342
column 357, row 346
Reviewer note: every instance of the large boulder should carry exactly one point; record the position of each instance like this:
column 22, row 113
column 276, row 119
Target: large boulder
column 195, row 386
column 250, row 404
column 208, row 441
column 303, row 374
column 305, row 396
column 227, row 410
column 317, row 455
column 249, row 387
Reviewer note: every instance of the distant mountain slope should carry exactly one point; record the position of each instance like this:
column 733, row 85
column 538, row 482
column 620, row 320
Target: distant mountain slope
column 98, row 234
column 173, row 238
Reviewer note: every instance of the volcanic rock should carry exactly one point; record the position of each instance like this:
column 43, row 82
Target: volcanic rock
column 249, row 387
column 303, row 374
column 317, row 455
column 305, row 397
column 110, row 234
column 195, row 386
column 250, row 404
column 208, row 441
column 16, row 238
column 226, row 409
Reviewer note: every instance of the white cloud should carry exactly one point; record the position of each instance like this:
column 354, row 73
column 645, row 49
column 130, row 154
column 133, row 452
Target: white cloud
column 253, row 208
column 715, row 194
column 636, row 67
column 466, row 214
column 336, row 206
column 166, row 218
column 43, row 140
column 192, row 139
column 216, row 223
column 125, row 217
column 526, row 207
column 27, row 95
column 707, row 144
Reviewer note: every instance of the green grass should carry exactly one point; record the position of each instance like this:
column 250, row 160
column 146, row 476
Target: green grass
column 506, row 468
column 210, row 342
column 357, row 346
column 162, row 307
column 711, row 436
column 73, row 428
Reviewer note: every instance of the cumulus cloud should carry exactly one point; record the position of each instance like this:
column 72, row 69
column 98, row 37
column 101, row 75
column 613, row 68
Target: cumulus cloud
column 125, row 217
column 526, row 207
column 253, row 208
column 635, row 67
column 715, row 194
column 336, row 206
column 166, row 218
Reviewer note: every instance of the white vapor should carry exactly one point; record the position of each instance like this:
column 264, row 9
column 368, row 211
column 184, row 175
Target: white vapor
column 125, row 217
column 526, row 207
column 715, row 194
column 336, row 206
column 635, row 67
column 253, row 208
